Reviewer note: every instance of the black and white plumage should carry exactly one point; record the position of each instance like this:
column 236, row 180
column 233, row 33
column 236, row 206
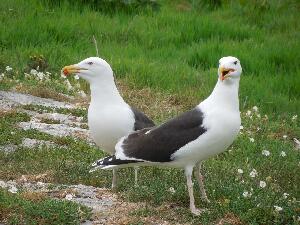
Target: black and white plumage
column 109, row 116
column 185, row 141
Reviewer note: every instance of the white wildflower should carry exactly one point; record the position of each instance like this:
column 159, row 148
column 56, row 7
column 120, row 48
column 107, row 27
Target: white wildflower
column 297, row 142
column 262, row 184
column 258, row 115
column 48, row 73
column 247, row 194
column 294, row 117
column 266, row 116
column 258, row 128
column 278, row 208
column 82, row 94
column 13, row 189
column 3, row 184
column 69, row 197
column 62, row 75
column 172, row 190
column 8, row 68
column 253, row 173
column 12, row 133
column 240, row 171
column 282, row 154
column 40, row 75
column 76, row 77
column 1, row 76
column 285, row 195
column 255, row 108
column 248, row 113
column 284, row 136
column 33, row 72
column 241, row 127
column 68, row 84
column 251, row 140
column 265, row 152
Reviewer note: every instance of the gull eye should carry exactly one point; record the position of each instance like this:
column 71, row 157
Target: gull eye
column 235, row 62
column 90, row 63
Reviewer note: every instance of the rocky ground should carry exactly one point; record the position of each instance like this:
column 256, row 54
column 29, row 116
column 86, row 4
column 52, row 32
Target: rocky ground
column 107, row 207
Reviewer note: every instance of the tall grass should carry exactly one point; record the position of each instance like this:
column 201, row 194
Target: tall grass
column 170, row 49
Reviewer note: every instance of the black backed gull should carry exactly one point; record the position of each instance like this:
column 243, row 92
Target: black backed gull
column 109, row 116
column 185, row 141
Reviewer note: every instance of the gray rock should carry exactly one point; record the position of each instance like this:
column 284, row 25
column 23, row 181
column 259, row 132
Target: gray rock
column 8, row 148
column 10, row 100
column 60, row 130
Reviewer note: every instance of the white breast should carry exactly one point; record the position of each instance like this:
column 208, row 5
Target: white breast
column 109, row 123
column 222, row 128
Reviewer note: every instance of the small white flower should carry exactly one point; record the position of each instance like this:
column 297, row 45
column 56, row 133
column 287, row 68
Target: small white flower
column 76, row 77
column 40, row 75
column 48, row 73
column 68, row 84
column 284, row 136
column 69, row 197
column 258, row 128
column 258, row 115
column 3, row 184
column 255, row 108
column 82, row 94
column 241, row 127
column 12, row 133
column 297, row 142
column 240, row 171
column 262, row 184
column 13, row 189
column 253, row 173
column 1, row 76
column 248, row 113
column 33, row 72
column 282, row 154
column 265, row 152
column 62, row 75
column 245, row 194
column 294, row 117
column 278, row 208
column 266, row 116
column 172, row 190
column 285, row 195
column 8, row 68
column 251, row 140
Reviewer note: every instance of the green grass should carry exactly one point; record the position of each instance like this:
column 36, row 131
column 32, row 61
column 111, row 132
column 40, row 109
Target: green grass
column 175, row 51
column 16, row 209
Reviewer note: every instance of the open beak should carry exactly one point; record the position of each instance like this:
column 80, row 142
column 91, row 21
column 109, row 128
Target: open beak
column 72, row 69
column 225, row 73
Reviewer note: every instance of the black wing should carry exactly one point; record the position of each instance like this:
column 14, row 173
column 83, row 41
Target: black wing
column 141, row 120
column 159, row 143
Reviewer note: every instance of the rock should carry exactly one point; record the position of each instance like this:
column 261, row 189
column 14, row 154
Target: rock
column 8, row 148
column 31, row 143
column 10, row 100
column 60, row 130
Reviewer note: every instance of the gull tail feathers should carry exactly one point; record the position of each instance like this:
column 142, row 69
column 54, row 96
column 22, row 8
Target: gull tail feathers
column 110, row 162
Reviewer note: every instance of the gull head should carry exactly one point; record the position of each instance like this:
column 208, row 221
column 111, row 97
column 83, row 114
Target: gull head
column 90, row 69
column 229, row 68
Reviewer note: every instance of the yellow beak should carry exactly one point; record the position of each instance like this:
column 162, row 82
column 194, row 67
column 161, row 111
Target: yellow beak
column 224, row 73
column 67, row 70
